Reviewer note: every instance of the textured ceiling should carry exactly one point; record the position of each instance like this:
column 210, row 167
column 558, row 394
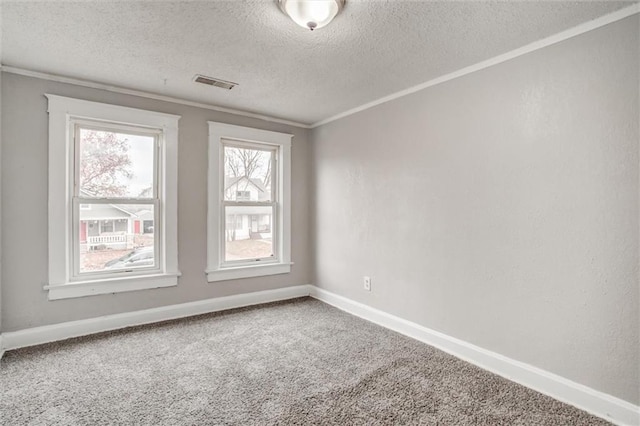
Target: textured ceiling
column 371, row 50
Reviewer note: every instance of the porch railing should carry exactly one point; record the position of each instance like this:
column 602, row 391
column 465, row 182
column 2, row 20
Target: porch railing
column 124, row 241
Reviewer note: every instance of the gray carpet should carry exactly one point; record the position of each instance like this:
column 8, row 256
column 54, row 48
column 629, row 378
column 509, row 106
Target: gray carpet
column 291, row 363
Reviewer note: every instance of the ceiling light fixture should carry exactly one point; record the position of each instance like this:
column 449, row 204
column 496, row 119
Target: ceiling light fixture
column 311, row 14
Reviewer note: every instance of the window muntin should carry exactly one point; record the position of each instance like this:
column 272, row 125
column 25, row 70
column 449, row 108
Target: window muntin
column 116, row 175
column 249, row 203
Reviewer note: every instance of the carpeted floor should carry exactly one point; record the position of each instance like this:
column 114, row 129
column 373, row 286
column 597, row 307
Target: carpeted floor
column 299, row 362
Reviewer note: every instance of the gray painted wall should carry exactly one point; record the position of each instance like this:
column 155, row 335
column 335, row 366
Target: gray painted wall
column 0, row 190
column 24, row 208
column 500, row 208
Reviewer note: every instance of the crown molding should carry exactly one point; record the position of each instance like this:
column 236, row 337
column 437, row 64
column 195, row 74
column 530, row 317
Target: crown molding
column 143, row 94
column 537, row 45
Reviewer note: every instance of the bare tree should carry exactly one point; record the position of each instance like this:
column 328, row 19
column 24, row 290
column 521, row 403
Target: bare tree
column 231, row 230
column 104, row 163
column 242, row 162
column 251, row 161
column 267, row 176
column 146, row 192
column 232, row 164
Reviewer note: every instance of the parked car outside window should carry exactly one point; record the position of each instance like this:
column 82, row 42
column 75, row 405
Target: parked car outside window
column 139, row 257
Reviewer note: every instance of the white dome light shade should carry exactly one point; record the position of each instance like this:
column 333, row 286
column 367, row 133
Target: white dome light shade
column 311, row 14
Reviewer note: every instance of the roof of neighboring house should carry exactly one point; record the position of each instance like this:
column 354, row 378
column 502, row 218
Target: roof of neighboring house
column 230, row 181
column 145, row 215
column 122, row 207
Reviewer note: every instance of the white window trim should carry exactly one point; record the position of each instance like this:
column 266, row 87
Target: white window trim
column 61, row 162
column 216, row 271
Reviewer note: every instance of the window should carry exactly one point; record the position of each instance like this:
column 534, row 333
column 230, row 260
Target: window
column 107, row 227
column 147, row 226
column 249, row 202
column 111, row 168
column 242, row 195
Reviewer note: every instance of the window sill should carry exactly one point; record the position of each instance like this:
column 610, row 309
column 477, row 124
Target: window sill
column 111, row 285
column 225, row 274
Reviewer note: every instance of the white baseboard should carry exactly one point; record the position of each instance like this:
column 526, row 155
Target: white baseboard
column 600, row 404
column 66, row 330
column 610, row 408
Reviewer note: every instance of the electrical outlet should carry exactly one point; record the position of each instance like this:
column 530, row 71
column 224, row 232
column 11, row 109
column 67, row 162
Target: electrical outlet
column 367, row 283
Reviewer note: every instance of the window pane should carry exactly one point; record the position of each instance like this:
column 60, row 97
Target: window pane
column 115, row 237
column 248, row 232
column 247, row 174
column 115, row 164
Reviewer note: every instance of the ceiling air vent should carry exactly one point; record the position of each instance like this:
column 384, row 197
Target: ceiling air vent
column 215, row 82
